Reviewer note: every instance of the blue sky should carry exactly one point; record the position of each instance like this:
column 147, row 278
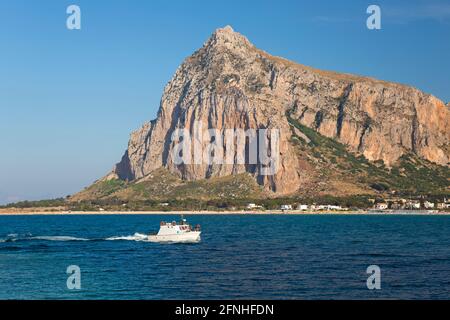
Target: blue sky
column 69, row 99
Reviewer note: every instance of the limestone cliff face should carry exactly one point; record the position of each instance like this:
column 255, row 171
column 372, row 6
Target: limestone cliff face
column 230, row 84
column 380, row 120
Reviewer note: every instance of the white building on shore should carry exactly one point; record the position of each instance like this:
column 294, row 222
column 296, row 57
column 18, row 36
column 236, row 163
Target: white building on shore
column 428, row 205
column 381, row 206
column 302, row 207
column 253, row 206
column 412, row 204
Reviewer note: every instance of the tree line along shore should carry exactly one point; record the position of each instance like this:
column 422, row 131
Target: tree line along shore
column 440, row 203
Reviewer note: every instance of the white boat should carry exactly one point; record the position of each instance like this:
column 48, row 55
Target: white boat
column 176, row 232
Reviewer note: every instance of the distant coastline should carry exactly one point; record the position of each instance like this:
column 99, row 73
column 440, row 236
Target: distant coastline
column 6, row 212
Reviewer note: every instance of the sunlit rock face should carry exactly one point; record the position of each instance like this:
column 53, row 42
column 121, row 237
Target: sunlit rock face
column 230, row 84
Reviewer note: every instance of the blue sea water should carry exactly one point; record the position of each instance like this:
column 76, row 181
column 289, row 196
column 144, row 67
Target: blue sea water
column 239, row 257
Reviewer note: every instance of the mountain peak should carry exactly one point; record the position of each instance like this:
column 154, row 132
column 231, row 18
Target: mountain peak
column 227, row 37
column 226, row 29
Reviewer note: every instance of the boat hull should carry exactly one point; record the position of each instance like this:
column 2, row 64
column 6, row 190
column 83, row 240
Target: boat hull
column 188, row 237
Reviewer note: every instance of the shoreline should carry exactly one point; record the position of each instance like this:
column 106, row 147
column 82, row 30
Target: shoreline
column 244, row 212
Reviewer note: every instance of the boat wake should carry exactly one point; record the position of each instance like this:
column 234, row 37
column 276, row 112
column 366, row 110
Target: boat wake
column 29, row 237
column 59, row 238
column 135, row 237
column 139, row 237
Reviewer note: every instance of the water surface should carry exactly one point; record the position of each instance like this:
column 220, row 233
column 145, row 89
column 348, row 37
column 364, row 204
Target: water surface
column 240, row 256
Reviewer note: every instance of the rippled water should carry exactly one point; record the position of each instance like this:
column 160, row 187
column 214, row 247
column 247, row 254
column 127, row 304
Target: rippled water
column 254, row 257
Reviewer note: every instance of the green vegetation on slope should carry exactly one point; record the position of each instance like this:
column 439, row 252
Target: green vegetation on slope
column 411, row 175
column 104, row 188
column 162, row 185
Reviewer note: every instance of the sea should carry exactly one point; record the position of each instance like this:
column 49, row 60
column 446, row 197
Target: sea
column 279, row 257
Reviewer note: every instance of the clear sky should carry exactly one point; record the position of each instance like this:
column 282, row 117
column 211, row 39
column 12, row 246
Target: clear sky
column 70, row 99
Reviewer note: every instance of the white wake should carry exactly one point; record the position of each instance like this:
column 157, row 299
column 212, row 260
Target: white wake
column 135, row 237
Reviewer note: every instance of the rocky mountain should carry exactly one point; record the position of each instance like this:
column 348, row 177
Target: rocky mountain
column 231, row 84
